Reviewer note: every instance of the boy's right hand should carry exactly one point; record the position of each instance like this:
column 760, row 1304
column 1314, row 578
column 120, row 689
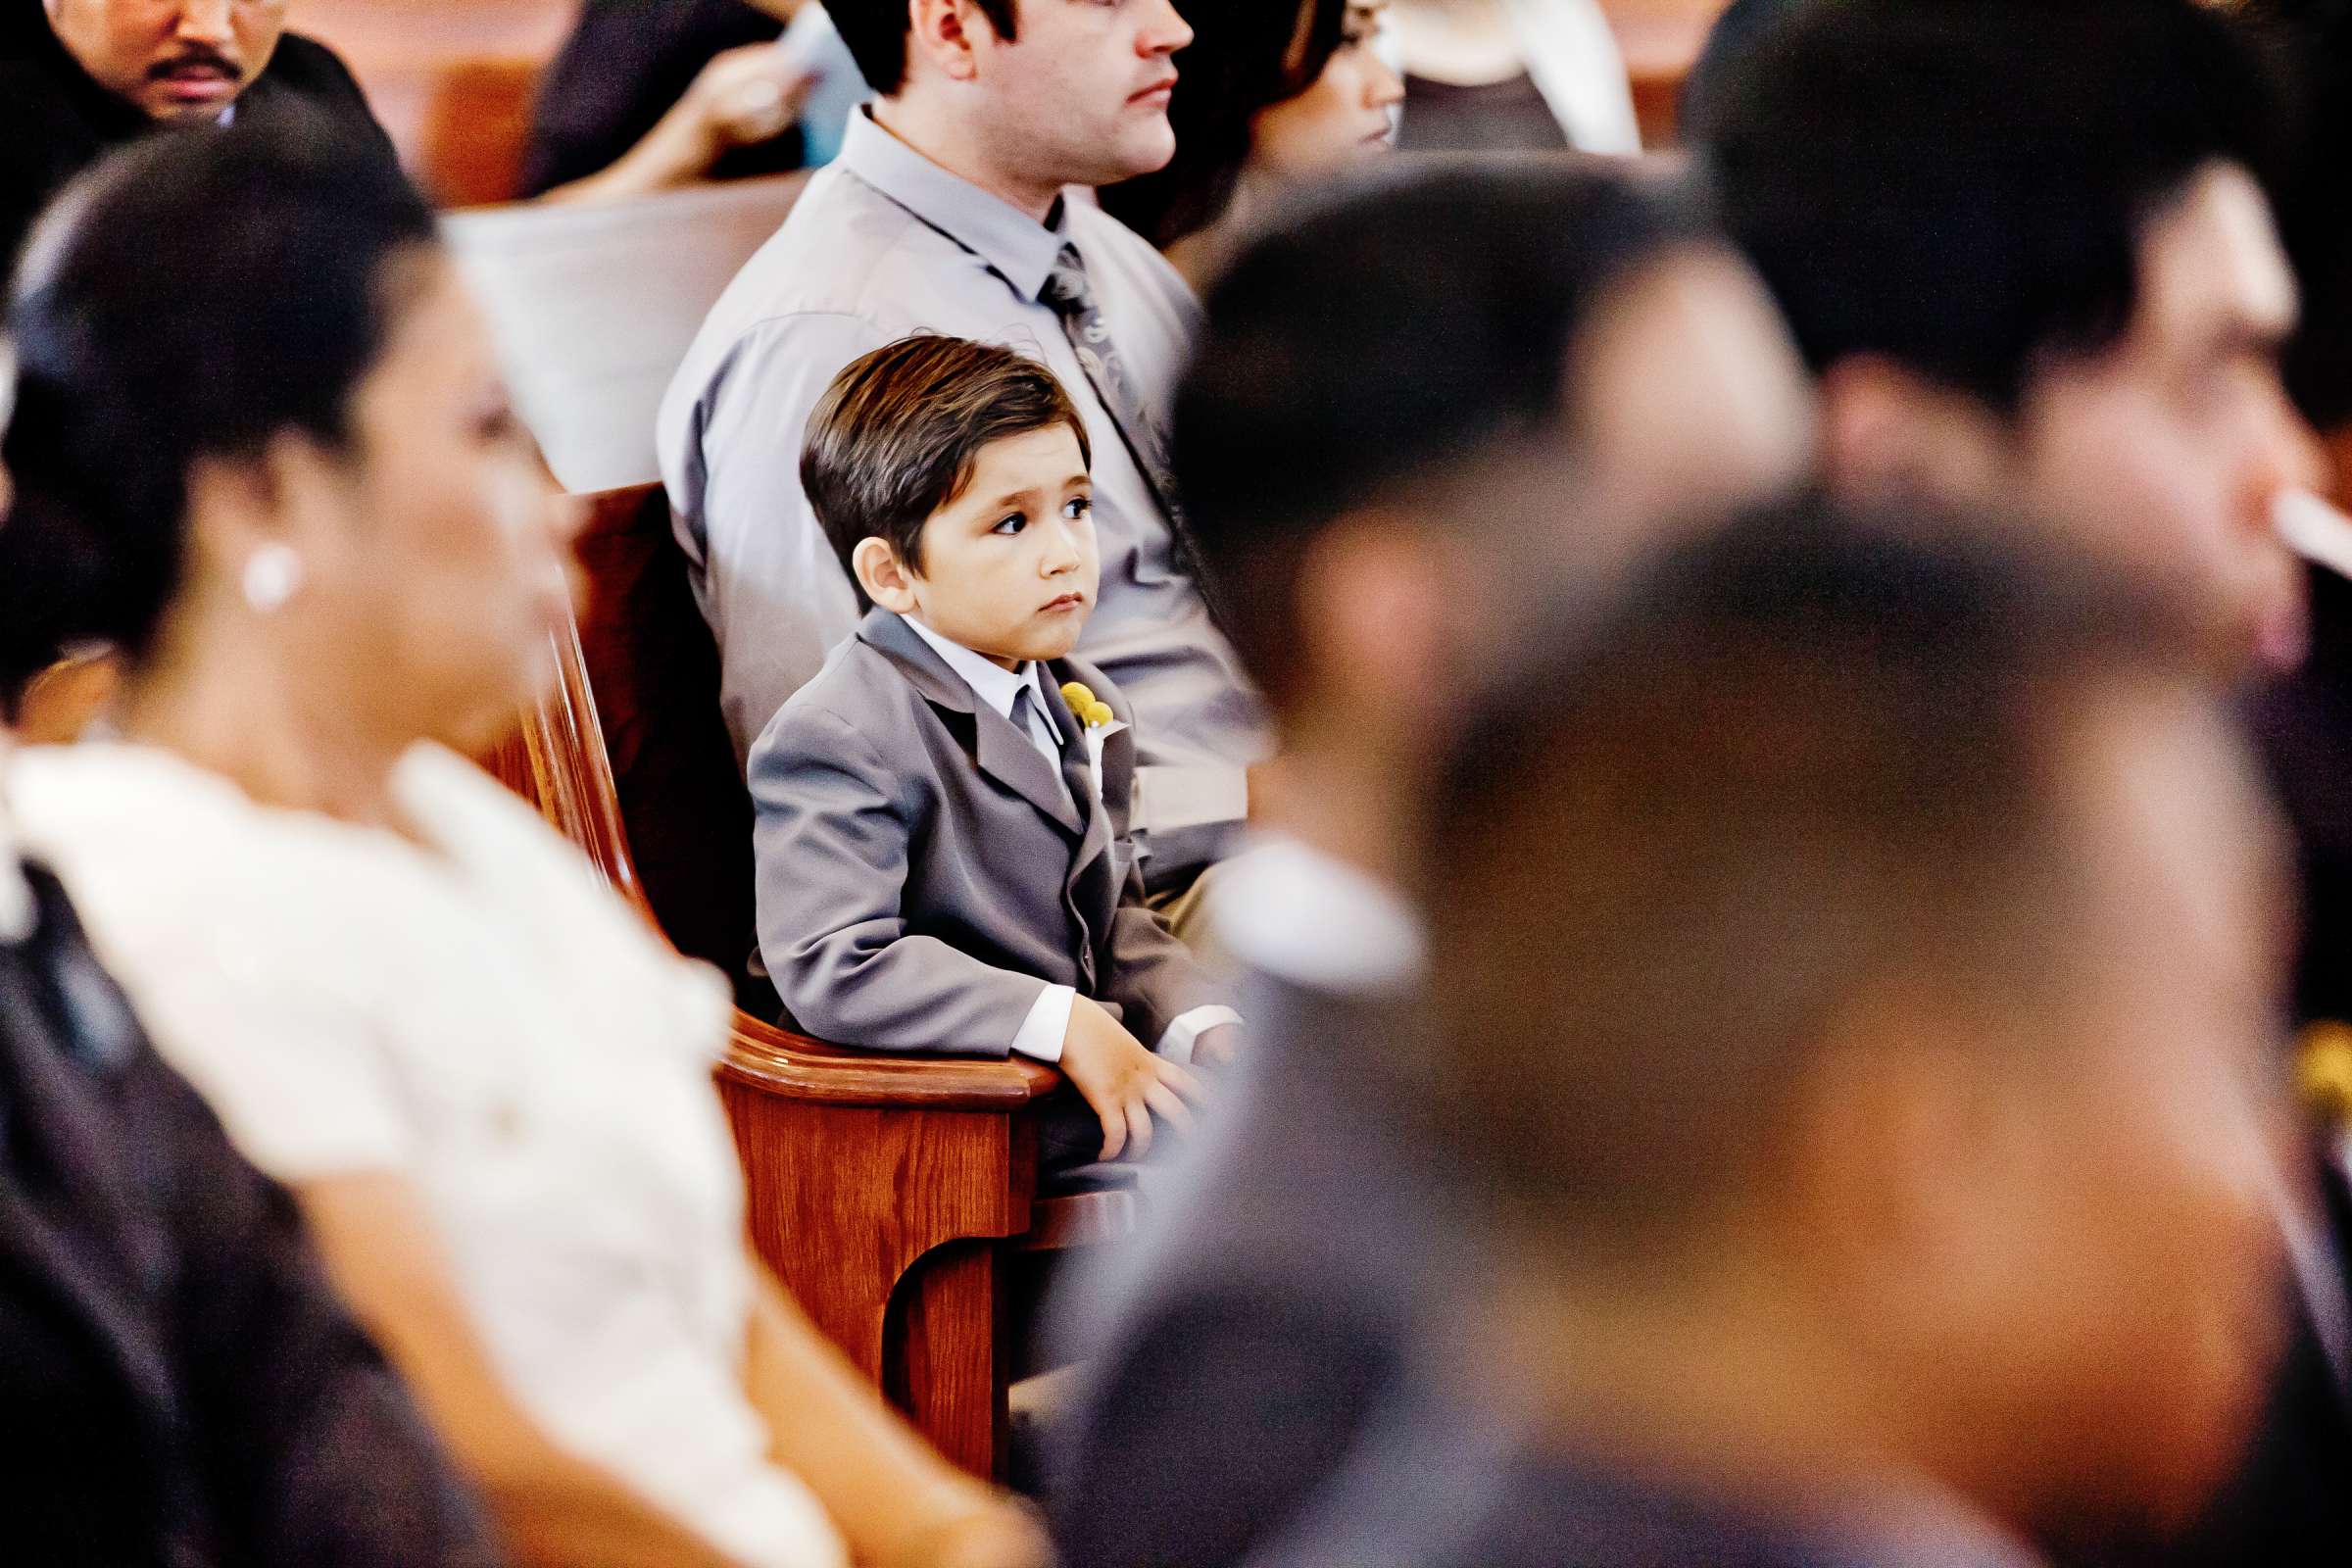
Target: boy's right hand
column 1122, row 1081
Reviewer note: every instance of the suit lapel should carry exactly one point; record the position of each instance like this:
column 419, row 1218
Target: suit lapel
column 998, row 749
column 1094, row 881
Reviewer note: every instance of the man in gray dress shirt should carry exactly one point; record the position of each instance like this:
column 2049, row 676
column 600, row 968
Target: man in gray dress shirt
column 948, row 212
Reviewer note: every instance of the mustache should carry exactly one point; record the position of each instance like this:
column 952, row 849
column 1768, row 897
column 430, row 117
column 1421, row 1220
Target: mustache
column 194, row 58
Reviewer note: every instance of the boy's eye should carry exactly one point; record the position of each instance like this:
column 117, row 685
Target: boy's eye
column 1013, row 524
column 1079, row 508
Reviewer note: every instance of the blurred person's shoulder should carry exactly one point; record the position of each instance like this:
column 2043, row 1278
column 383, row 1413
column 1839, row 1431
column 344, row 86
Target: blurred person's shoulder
column 306, row 72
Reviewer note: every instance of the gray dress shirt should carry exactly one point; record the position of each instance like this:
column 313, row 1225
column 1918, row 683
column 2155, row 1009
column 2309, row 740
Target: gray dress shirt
column 885, row 243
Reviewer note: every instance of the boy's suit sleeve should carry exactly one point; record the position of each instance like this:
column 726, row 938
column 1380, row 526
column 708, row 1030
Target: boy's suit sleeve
column 1154, row 977
column 831, row 834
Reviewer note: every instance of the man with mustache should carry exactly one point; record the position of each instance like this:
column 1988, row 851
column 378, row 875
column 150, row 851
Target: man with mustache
column 80, row 78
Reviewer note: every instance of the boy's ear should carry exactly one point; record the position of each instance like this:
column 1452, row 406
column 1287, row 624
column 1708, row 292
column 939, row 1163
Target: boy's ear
column 883, row 575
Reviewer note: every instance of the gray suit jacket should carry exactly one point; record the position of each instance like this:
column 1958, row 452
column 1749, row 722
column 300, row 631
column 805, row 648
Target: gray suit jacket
column 923, row 873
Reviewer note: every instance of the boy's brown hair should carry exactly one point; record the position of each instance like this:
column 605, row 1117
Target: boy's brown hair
column 895, row 438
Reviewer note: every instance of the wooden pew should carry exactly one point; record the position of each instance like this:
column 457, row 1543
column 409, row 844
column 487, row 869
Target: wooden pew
column 1662, row 40
column 450, row 80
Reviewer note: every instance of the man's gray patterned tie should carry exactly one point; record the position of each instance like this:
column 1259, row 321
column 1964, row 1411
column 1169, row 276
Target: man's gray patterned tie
column 1072, row 298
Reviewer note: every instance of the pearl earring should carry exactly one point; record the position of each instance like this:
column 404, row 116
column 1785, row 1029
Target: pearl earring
column 272, row 575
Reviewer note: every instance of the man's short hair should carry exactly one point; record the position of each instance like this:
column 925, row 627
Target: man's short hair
column 1397, row 333
column 876, row 34
column 895, row 438
column 1804, row 756
column 2314, row 39
column 1962, row 185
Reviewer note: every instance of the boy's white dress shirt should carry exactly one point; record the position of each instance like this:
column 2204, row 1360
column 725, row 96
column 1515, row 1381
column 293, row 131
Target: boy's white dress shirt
column 1042, row 1033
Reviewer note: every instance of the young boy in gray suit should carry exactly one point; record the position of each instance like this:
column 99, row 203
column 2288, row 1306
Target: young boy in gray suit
column 941, row 812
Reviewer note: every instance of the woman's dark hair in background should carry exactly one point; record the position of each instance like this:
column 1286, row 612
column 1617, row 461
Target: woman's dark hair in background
column 192, row 297
column 1245, row 56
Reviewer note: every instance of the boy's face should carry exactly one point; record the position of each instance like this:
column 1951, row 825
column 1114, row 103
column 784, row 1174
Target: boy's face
column 1009, row 566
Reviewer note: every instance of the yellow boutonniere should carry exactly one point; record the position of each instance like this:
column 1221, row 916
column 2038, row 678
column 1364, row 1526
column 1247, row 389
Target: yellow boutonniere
column 2323, row 1071
column 1091, row 711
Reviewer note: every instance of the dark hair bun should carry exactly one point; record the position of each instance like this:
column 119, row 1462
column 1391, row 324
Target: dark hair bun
column 192, row 297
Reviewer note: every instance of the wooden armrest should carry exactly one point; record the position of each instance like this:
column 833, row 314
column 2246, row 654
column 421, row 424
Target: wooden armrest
column 763, row 1057
column 1078, row 1219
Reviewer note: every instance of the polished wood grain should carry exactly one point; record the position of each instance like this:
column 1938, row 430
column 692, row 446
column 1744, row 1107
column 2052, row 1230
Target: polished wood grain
column 450, row 79
column 64, row 700
column 1662, row 40
column 474, row 129
column 920, row 1198
column 950, row 1333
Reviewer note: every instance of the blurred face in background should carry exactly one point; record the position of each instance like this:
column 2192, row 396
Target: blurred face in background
column 2169, row 448
column 435, row 549
column 2107, row 1298
column 1691, row 398
column 1685, row 397
column 173, row 59
column 1344, row 114
column 2162, row 453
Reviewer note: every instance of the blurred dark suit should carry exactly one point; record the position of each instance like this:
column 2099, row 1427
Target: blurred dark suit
column 1549, row 1514
column 626, row 63
column 55, row 120
column 1274, row 1330
column 179, row 1385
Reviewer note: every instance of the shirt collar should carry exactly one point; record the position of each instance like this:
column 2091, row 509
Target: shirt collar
column 18, row 915
column 1016, row 246
column 991, row 682
column 1928, row 1527
column 1314, row 920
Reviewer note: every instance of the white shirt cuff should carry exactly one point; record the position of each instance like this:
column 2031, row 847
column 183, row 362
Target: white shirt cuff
column 1048, row 1023
column 1177, row 1044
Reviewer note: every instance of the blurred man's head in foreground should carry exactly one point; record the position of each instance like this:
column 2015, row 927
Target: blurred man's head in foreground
column 1854, row 964
column 2027, row 248
column 1394, row 393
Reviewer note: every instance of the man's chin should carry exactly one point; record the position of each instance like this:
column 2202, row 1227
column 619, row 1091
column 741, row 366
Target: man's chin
column 175, row 111
column 2280, row 633
column 164, row 102
column 1146, row 148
